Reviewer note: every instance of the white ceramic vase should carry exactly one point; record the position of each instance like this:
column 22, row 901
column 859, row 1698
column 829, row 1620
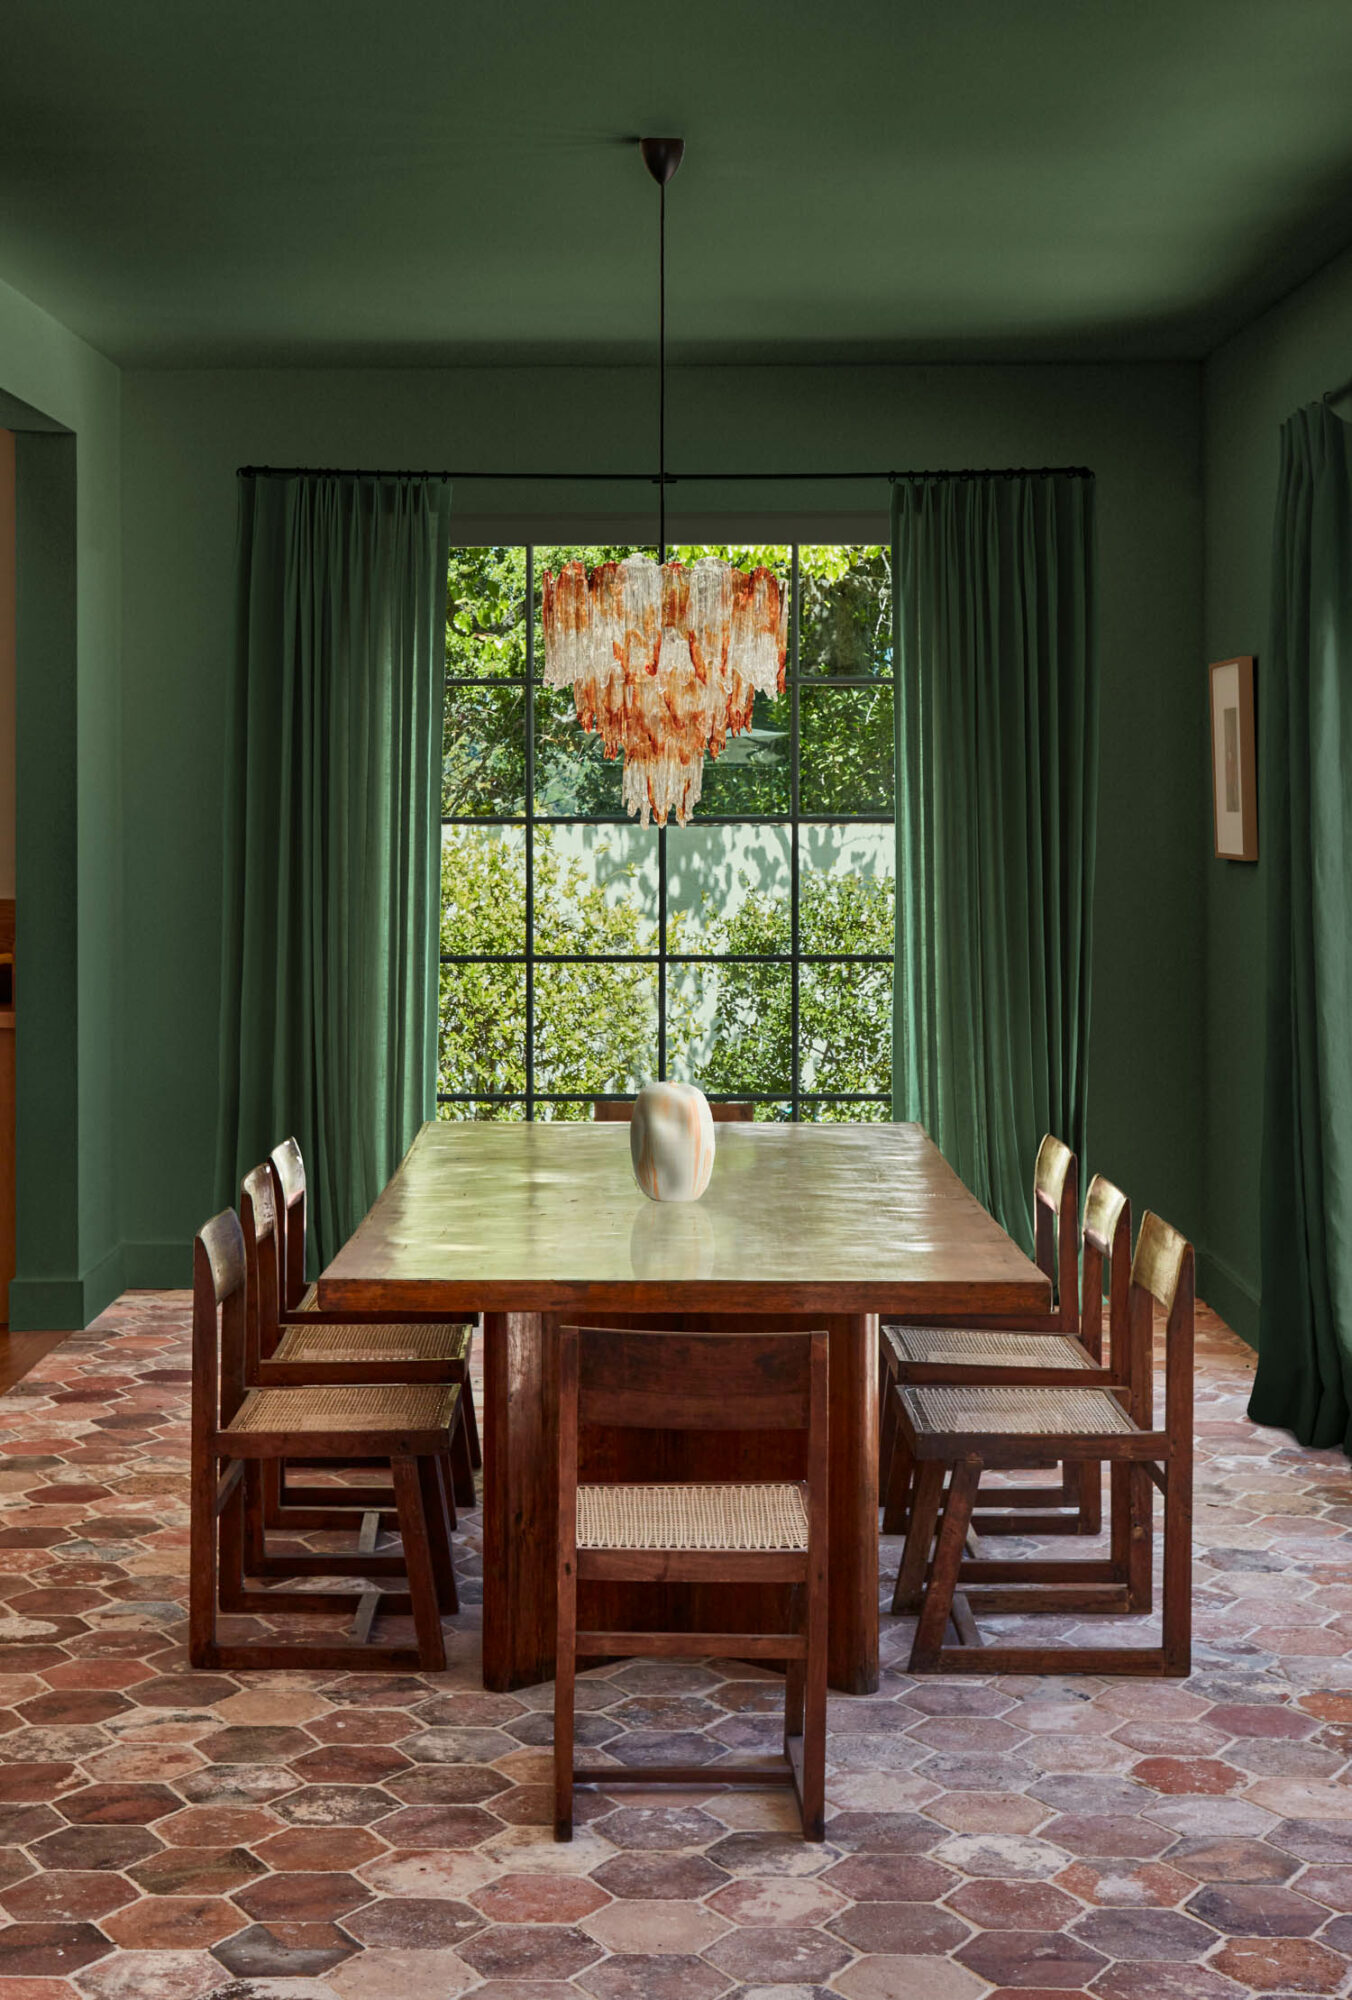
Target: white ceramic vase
column 671, row 1141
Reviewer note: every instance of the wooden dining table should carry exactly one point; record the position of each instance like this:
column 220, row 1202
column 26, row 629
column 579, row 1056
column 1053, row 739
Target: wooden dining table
column 802, row 1225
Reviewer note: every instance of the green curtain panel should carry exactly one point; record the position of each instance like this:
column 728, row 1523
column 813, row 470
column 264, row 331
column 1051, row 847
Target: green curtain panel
column 997, row 763
column 330, row 956
column 1304, row 1379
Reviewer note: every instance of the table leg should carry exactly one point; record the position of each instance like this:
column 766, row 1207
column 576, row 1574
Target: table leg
column 520, row 1500
column 852, row 1651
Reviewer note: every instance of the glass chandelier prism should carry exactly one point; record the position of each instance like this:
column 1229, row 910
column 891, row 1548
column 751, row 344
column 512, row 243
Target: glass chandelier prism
column 665, row 660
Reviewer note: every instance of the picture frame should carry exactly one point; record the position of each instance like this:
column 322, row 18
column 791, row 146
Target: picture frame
column 1234, row 769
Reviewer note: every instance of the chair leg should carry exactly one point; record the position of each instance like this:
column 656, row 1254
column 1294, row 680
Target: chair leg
column 418, row 1562
column 795, row 1671
column 814, row 1709
column 438, row 1507
column 1176, row 1588
column 462, row 1463
column 938, row 1604
column 203, row 1557
column 476, row 1457
column 887, row 1417
column 565, row 1674
column 1140, row 1538
column 929, row 1487
column 1084, row 1485
column 900, row 1478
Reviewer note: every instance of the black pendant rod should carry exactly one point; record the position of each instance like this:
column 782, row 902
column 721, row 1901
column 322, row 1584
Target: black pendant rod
column 662, row 372
column 671, row 478
column 662, row 157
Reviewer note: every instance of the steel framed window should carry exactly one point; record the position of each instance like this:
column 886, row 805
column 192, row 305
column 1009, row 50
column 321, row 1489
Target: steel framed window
column 796, row 1098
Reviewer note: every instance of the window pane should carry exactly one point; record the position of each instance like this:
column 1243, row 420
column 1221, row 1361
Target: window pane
column 846, row 890
column 846, row 750
column 596, row 889
column 485, row 612
column 595, row 1027
column 751, row 776
column 729, row 889
column 729, row 1028
column 483, row 1031
column 483, row 752
column 845, row 611
column 573, row 776
column 845, row 1027
column 483, row 890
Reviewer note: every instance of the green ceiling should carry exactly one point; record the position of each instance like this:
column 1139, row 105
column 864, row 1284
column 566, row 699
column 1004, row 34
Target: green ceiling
column 284, row 181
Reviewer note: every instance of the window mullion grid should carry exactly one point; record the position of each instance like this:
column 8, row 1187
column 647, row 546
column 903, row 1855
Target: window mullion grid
column 795, row 966
column 530, row 831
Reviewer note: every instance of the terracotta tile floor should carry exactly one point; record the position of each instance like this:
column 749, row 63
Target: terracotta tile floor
column 165, row 1834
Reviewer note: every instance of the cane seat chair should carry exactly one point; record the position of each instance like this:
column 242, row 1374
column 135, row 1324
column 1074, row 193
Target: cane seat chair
column 444, row 1345
column 726, row 1110
column 730, row 1533
column 978, row 1353
column 939, row 1356
column 329, row 1354
column 962, row 1430
column 238, row 1430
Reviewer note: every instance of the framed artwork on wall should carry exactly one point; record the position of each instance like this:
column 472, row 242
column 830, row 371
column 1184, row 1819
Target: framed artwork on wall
column 1234, row 775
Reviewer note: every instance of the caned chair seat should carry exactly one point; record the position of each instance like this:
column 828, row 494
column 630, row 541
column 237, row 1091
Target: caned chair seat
column 765, row 1516
column 975, row 1347
column 942, row 1411
column 243, row 1432
column 380, row 1345
column 951, row 1433
column 405, row 1410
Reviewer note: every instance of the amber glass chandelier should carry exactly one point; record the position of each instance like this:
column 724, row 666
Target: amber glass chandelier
column 665, row 661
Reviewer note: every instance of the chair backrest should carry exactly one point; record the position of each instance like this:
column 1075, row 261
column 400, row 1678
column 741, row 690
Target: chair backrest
column 218, row 1327
column 263, row 1266
column 1107, row 1242
column 288, row 1178
column 1162, row 1274
column 1056, row 1206
column 726, row 1111
column 668, row 1381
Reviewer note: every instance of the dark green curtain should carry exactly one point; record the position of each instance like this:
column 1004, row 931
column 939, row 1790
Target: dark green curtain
column 997, row 784
column 1304, row 1380
column 330, row 953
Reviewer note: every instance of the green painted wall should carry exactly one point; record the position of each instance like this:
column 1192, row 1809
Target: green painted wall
column 1289, row 356
column 185, row 432
column 68, row 844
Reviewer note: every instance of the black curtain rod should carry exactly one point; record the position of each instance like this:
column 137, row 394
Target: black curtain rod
column 672, row 478
column 1336, row 395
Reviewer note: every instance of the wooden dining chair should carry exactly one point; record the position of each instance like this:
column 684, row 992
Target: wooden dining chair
column 962, row 1431
column 943, row 1357
column 298, row 1303
column 237, row 1430
column 726, row 1110
column 1074, row 1506
column 735, row 1534
column 313, row 1353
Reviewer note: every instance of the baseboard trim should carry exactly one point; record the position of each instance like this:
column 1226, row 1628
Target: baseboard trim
column 102, row 1285
column 1227, row 1292
column 64, row 1305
